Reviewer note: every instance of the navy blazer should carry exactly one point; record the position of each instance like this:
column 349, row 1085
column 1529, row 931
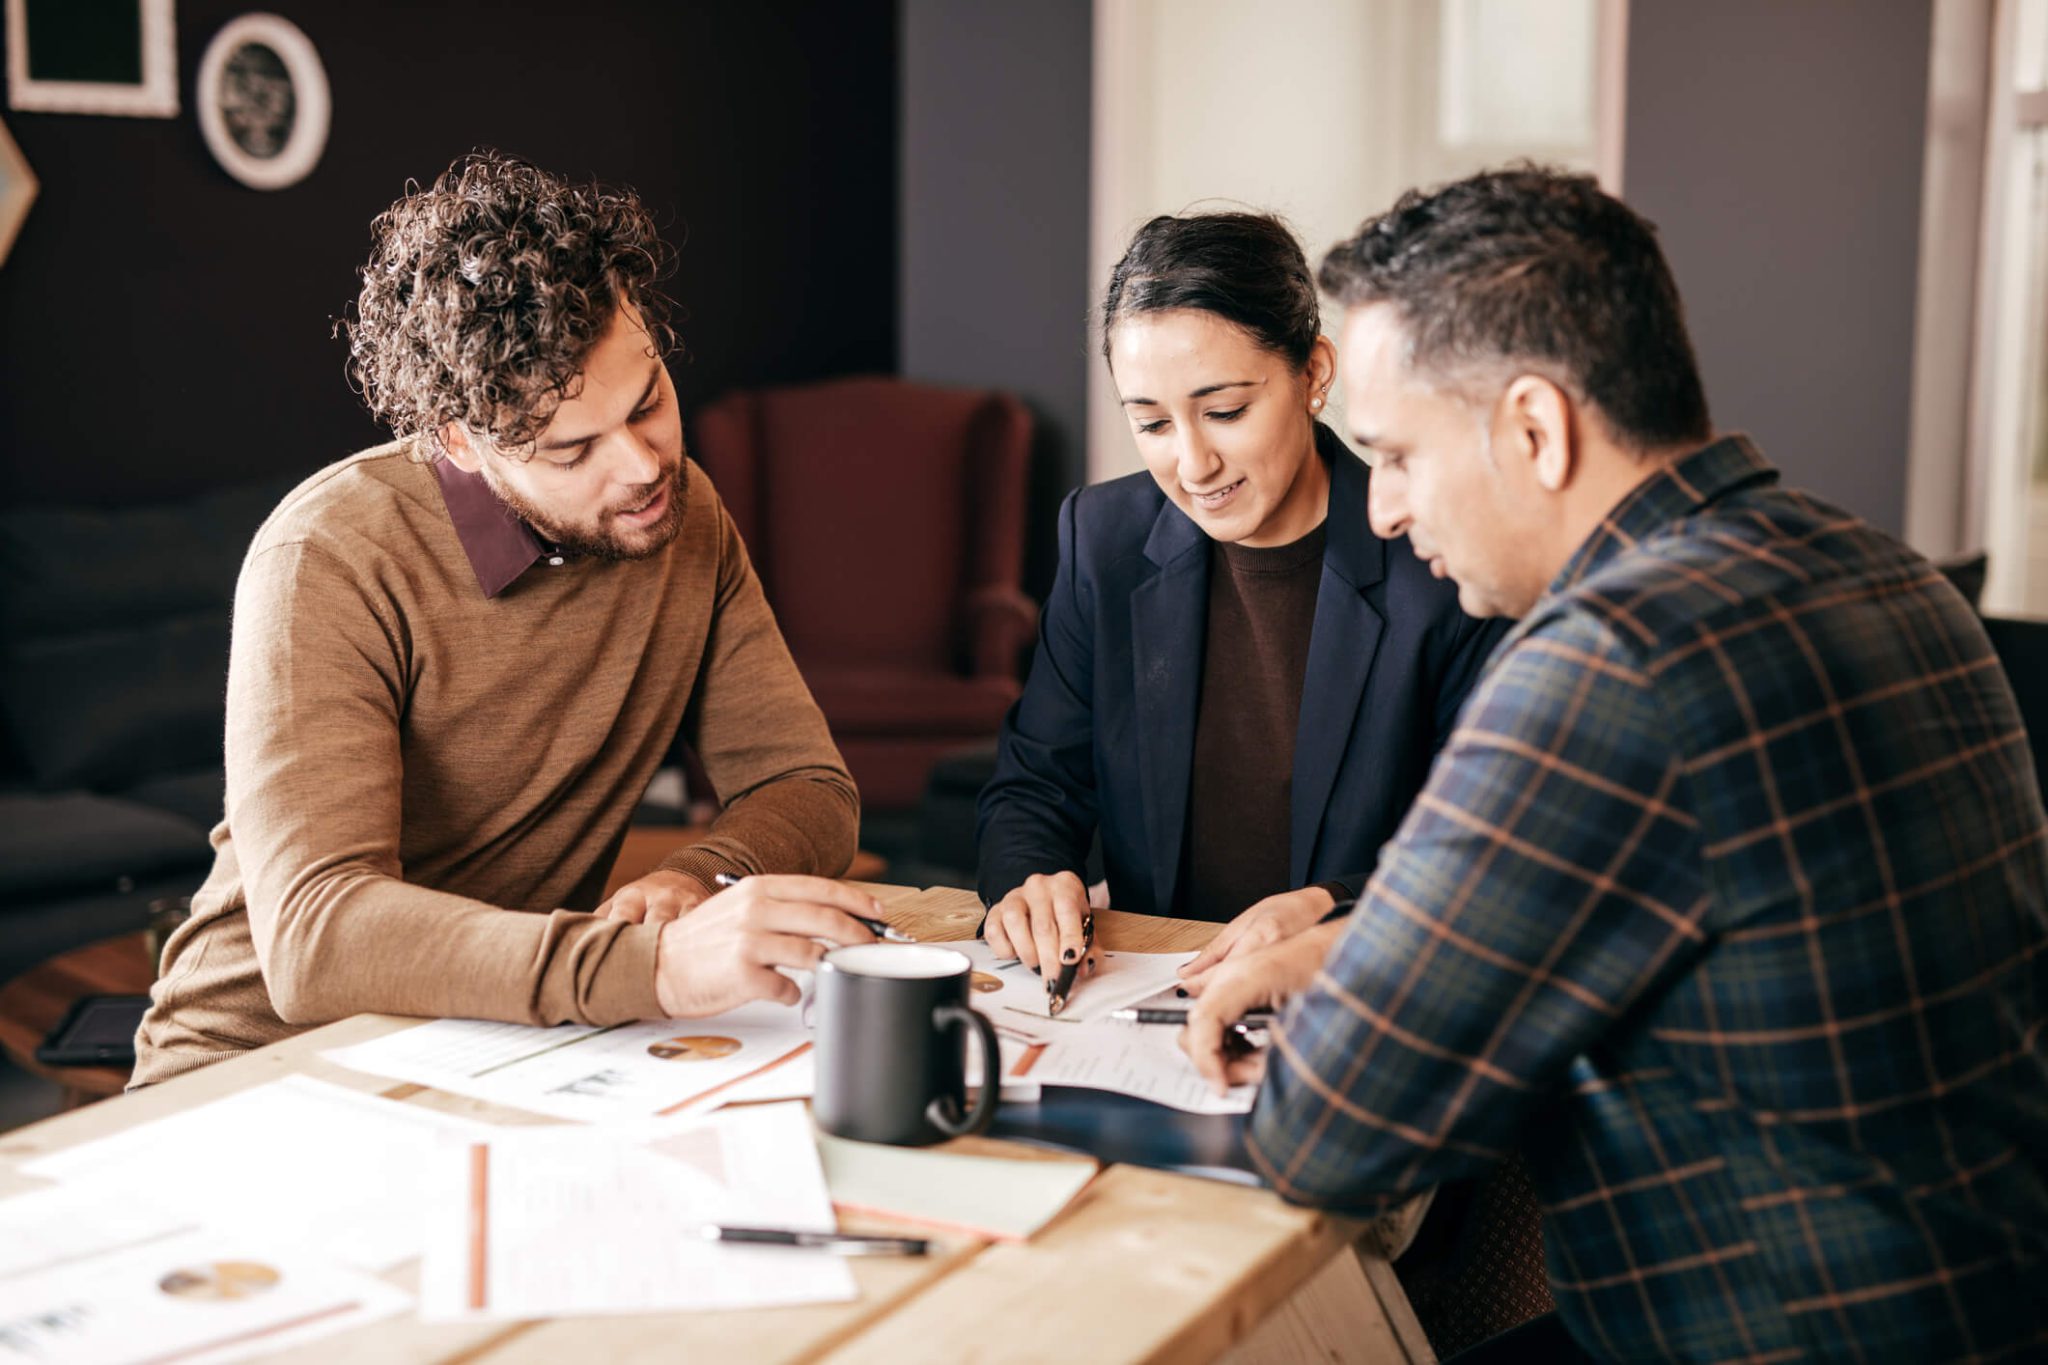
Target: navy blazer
column 1103, row 738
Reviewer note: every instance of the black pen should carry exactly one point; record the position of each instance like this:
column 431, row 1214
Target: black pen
column 841, row 1244
column 1148, row 1016
column 1061, row 986
column 881, row 929
column 1237, row 1038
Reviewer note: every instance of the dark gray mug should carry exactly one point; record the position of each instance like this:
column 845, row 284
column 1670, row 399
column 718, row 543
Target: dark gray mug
column 891, row 1060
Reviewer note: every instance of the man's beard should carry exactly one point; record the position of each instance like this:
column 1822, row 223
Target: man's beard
column 603, row 541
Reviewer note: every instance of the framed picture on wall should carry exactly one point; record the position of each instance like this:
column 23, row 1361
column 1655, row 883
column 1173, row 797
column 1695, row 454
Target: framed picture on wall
column 17, row 190
column 263, row 101
column 93, row 57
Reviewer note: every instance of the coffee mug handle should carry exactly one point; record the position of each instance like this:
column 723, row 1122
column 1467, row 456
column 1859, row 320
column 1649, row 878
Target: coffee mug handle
column 943, row 1111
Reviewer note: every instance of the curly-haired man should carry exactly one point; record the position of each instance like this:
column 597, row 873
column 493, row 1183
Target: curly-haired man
column 459, row 657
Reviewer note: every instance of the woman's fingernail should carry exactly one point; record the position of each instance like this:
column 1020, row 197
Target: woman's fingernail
column 1181, row 991
column 1069, row 955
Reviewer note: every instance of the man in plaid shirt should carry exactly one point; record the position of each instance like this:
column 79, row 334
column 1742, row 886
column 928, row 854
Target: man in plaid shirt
column 1726, row 902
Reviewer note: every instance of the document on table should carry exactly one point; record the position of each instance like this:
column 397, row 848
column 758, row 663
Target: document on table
column 1140, row 1060
column 89, row 1276
column 537, row 1222
column 1007, row 991
column 294, row 1160
column 574, row 1071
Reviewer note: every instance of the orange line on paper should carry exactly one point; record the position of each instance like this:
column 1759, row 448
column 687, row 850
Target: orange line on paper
column 799, row 1050
column 479, row 1223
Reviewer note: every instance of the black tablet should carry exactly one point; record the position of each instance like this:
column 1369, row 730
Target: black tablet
column 97, row 1031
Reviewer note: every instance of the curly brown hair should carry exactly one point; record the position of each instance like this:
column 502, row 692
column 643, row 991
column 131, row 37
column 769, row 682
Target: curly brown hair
column 484, row 294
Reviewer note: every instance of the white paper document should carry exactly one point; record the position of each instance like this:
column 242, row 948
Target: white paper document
column 1007, row 991
column 113, row 1281
column 593, row 1074
column 1141, row 1060
column 540, row 1222
column 294, row 1160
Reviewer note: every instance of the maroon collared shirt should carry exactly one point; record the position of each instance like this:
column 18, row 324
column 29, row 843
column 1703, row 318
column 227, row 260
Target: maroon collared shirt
column 499, row 543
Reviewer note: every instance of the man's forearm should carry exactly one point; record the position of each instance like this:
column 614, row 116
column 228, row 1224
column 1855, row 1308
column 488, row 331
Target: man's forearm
column 805, row 821
column 349, row 943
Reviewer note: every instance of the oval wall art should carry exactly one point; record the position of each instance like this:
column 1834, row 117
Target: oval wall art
column 263, row 101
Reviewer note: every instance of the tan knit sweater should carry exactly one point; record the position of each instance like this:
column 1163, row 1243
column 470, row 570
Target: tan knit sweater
column 426, row 787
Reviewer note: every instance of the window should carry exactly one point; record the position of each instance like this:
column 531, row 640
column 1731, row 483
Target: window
column 2009, row 483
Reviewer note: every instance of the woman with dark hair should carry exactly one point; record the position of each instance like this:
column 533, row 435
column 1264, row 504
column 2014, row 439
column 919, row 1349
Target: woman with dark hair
column 1237, row 686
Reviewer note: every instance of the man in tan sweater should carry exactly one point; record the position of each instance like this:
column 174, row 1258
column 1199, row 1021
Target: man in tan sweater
column 459, row 658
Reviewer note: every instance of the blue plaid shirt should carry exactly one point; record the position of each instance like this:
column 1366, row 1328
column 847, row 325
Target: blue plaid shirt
column 1726, row 904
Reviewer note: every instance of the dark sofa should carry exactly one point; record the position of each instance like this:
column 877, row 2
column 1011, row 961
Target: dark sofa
column 113, row 668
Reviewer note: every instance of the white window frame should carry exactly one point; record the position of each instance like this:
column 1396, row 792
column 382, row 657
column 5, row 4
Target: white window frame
column 1973, row 358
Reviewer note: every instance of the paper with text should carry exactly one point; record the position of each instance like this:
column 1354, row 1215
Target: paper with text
column 1007, row 991
column 116, row 1281
column 540, row 1222
column 293, row 1160
column 574, row 1071
column 1141, row 1060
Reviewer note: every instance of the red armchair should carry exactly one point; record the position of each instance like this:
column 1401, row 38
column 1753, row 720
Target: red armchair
column 886, row 520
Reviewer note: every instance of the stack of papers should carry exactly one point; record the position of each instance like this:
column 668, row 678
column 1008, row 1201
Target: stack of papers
column 538, row 1222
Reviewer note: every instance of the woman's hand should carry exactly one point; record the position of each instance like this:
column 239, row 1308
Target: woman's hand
column 1270, row 921
column 1040, row 922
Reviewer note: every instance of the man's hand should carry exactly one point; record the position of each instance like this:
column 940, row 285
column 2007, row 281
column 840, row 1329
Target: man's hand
column 656, row 898
column 725, row 952
column 1267, row 979
column 1266, row 923
column 1040, row 922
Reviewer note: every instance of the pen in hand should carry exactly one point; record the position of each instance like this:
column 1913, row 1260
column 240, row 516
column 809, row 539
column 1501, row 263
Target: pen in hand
column 1061, row 985
column 1239, row 1039
column 881, row 929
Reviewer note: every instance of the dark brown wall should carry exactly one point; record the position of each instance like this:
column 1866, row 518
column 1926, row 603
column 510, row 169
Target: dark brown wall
column 165, row 330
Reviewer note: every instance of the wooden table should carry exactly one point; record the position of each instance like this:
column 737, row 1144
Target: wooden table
column 1143, row 1266
column 32, row 1003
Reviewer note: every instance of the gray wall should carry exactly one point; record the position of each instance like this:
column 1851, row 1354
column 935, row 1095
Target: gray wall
column 1778, row 148
column 994, row 210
